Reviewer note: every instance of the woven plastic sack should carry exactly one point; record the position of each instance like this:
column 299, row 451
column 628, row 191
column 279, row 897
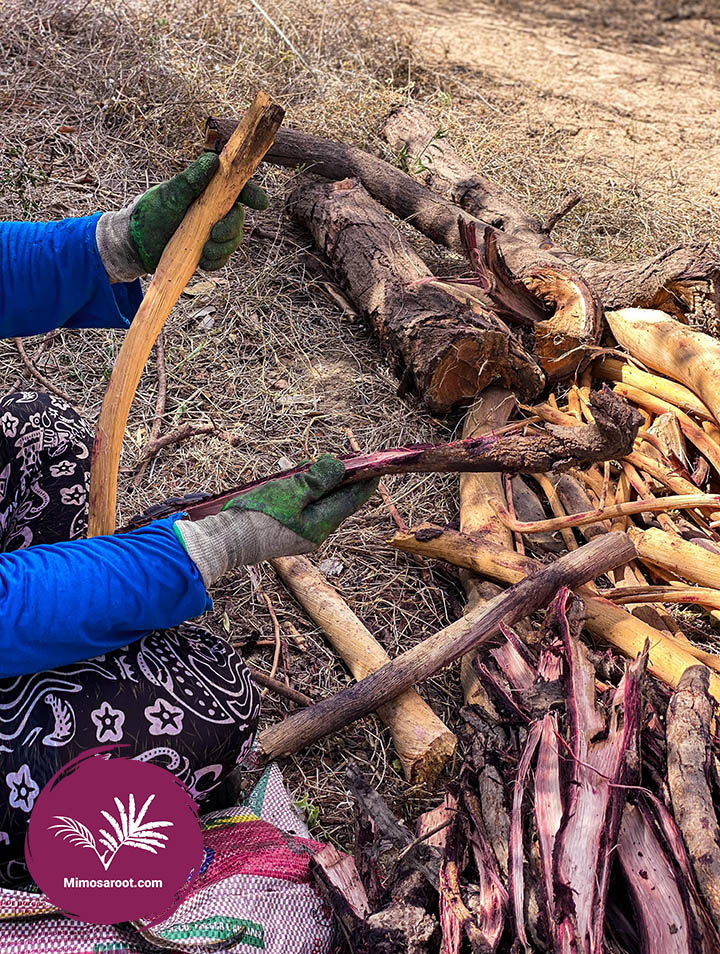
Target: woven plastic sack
column 253, row 893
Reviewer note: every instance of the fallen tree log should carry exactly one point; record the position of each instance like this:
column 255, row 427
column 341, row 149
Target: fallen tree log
column 668, row 658
column 670, row 347
column 658, row 281
column 653, row 282
column 422, row 741
column 446, row 646
column 441, row 347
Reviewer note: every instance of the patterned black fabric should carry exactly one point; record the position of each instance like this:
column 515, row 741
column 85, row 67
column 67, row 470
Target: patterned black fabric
column 182, row 699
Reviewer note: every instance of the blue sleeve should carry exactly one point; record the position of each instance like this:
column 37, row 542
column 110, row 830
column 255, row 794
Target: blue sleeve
column 51, row 276
column 68, row 602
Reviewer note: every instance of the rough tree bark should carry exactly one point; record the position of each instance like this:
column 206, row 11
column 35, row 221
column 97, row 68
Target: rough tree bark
column 442, row 347
column 689, row 718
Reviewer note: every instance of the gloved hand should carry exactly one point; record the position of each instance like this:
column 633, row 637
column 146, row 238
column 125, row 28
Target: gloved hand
column 283, row 517
column 132, row 240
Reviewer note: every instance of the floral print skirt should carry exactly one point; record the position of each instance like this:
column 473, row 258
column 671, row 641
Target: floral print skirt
column 182, row 699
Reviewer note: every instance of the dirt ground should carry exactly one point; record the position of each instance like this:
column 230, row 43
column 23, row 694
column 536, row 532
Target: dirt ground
column 100, row 99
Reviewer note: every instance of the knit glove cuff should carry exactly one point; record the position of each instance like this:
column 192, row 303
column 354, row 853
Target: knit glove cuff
column 231, row 538
column 117, row 252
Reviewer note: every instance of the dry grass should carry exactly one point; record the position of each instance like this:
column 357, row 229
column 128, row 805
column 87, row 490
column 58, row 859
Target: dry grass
column 275, row 364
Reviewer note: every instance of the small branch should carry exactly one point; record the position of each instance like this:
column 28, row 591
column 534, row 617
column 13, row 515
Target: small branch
column 274, row 685
column 425, row 835
column 657, row 505
column 46, row 383
column 703, row 596
column 566, row 204
column 182, row 433
column 273, row 615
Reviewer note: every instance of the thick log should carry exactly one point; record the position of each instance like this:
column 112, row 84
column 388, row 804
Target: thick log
column 658, row 281
column 444, row 348
column 422, row 741
column 689, row 718
column 672, row 348
column 669, row 657
column 446, row 646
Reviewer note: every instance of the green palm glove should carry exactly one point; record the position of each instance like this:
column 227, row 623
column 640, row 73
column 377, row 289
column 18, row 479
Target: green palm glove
column 307, row 504
column 158, row 212
column 131, row 241
column 286, row 516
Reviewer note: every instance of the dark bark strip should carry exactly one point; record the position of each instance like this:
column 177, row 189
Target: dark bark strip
column 688, row 751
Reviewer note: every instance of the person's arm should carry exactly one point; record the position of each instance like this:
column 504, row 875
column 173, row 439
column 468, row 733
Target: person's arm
column 83, row 273
column 65, row 602
column 52, row 276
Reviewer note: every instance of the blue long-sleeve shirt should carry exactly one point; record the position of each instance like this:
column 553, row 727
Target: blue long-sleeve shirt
column 72, row 601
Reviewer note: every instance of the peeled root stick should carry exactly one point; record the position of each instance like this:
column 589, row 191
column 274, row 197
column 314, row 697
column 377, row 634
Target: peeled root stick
column 690, row 429
column 612, row 369
column 672, row 349
column 681, row 558
column 446, row 646
column 612, row 624
column 656, row 505
column 701, row 595
column 422, row 741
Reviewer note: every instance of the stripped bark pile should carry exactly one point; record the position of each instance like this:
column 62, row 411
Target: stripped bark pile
column 582, row 816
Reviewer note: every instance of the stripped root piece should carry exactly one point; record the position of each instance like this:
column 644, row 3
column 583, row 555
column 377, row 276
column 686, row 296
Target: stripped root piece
column 658, row 903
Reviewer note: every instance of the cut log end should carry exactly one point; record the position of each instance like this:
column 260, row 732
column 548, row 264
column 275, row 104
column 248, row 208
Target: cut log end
column 561, row 341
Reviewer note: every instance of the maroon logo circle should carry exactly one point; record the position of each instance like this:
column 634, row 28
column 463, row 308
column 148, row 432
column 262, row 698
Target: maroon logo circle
column 112, row 839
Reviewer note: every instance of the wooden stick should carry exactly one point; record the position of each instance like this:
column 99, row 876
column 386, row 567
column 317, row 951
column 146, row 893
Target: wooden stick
column 238, row 161
column 669, row 657
column 681, row 558
column 478, row 513
column 612, row 369
column 422, row 741
column 655, row 505
column 610, row 437
column 702, row 595
column 274, row 685
column 446, row 646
